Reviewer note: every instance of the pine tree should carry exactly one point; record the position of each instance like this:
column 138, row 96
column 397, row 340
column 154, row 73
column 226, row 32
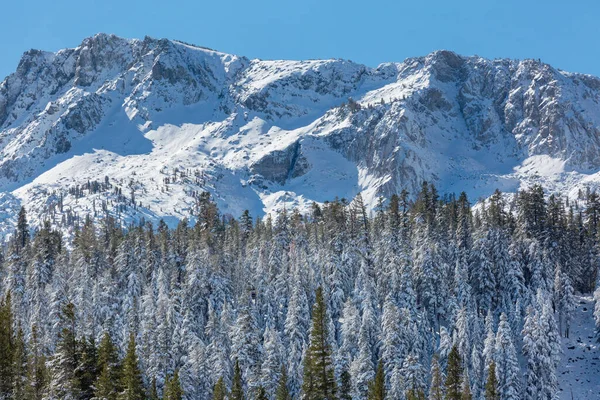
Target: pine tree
column 245, row 344
column 237, row 388
column 172, row 390
column 413, row 374
column 107, row 385
column 564, row 300
column 37, row 374
column 392, row 347
column 22, row 234
column 345, row 386
column 87, row 369
column 65, row 360
column 20, row 382
column 362, row 369
column 377, row 385
column 270, row 370
column 261, row 394
column 491, row 386
column 7, row 347
column 153, row 395
column 466, row 389
column 282, row 392
column 296, row 326
column 507, row 365
column 436, row 391
column 132, row 386
column 219, row 390
column 319, row 381
column 541, row 347
column 415, row 395
column 454, row 375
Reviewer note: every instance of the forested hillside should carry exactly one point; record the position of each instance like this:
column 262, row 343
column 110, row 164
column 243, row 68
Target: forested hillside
column 431, row 298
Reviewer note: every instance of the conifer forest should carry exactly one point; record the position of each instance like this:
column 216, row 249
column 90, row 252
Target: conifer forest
column 428, row 296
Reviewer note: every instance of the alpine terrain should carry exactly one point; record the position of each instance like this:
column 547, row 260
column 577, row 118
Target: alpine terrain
column 179, row 223
column 138, row 128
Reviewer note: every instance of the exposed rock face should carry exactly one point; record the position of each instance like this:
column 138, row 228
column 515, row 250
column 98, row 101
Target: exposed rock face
column 269, row 133
column 282, row 165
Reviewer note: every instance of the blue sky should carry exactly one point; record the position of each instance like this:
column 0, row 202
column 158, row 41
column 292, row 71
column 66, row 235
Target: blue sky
column 564, row 34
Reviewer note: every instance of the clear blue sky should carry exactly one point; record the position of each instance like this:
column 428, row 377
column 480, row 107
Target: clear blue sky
column 564, row 34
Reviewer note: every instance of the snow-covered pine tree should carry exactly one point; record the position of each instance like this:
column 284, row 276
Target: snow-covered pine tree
column 272, row 360
column 507, row 367
column 564, row 301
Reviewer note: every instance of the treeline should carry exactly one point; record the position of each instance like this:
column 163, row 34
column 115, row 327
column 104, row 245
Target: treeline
column 430, row 298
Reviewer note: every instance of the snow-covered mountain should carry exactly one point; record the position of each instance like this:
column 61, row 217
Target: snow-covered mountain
column 138, row 128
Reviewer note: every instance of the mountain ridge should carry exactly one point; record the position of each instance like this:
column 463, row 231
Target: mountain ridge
column 264, row 134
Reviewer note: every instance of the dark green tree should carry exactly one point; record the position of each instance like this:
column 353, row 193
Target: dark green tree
column 415, row 395
column 237, row 386
column 283, row 391
column 466, row 389
column 319, row 381
column 491, row 386
column 22, row 234
column 20, row 382
column 153, row 395
column 107, row 385
column 6, row 347
column 219, row 390
column 87, row 369
column 454, row 375
column 261, row 393
column 65, row 360
column 132, row 386
column 173, row 389
column 37, row 374
column 345, row 385
column 377, row 386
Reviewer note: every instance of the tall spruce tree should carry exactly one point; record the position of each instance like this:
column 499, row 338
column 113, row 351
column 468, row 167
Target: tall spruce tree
column 153, row 394
column 87, row 368
column 283, row 392
column 377, row 385
column 20, row 381
column 107, row 385
column 237, row 387
column 64, row 363
column 172, row 390
column 491, row 386
column 37, row 373
column 436, row 390
column 454, row 375
column 261, row 394
column 7, row 346
column 319, row 381
column 345, row 392
column 219, row 390
column 132, row 386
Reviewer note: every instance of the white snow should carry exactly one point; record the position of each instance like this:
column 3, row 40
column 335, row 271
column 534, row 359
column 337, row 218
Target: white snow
column 579, row 369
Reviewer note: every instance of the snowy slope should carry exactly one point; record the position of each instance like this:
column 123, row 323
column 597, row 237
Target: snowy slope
column 158, row 121
column 580, row 366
